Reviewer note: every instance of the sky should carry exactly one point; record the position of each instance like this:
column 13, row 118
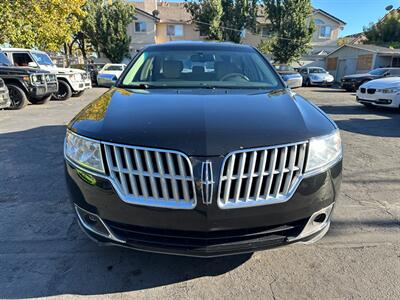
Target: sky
column 356, row 13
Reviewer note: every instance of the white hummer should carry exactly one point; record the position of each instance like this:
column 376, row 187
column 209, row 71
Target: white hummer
column 71, row 82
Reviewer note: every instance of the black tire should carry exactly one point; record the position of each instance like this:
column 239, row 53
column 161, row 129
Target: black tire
column 64, row 91
column 18, row 97
column 42, row 100
column 78, row 94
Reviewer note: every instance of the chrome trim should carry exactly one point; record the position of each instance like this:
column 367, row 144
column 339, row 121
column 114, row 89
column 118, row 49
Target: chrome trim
column 141, row 200
column 110, row 235
column 207, row 182
column 311, row 228
column 145, row 200
column 260, row 202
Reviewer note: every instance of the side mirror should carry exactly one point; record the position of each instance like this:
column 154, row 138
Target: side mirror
column 33, row 64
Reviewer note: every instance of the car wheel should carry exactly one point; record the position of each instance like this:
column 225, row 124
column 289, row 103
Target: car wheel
column 42, row 100
column 18, row 97
column 64, row 91
column 78, row 94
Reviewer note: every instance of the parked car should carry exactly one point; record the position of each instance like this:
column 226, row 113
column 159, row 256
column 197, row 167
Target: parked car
column 27, row 84
column 71, row 82
column 202, row 163
column 92, row 69
column 5, row 100
column 314, row 76
column 292, row 78
column 351, row 83
column 109, row 74
column 383, row 92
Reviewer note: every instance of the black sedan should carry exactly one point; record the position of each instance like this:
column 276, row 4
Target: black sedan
column 351, row 83
column 200, row 150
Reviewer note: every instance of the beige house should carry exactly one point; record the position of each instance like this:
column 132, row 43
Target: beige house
column 159, row 22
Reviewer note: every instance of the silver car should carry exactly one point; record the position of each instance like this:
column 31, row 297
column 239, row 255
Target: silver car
column 315, row 76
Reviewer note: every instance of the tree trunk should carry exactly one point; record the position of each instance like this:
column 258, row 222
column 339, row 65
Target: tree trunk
column 66, row 54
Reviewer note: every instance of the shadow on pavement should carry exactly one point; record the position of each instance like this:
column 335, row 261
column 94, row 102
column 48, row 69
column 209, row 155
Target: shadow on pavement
column 42, row 250
column 386, row 125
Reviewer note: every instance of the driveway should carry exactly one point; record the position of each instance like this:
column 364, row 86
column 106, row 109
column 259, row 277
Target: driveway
column 43, row 253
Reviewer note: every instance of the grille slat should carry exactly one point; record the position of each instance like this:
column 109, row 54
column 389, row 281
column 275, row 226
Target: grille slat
column 151, row 177
column 261, row 176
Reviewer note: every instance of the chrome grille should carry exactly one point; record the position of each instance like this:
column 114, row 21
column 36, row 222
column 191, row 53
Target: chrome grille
column 261, row 176
column 151, row 177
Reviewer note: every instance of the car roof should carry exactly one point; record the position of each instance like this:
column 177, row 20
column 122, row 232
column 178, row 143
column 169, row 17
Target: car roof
column 205, row 45
column 20, row 50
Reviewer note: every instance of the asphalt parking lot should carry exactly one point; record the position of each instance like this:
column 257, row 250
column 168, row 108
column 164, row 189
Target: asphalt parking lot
column 43, row 253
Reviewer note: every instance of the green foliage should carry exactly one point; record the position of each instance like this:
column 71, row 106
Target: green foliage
column 106, row 27
column 223, row 20
column 386, row 32
column 292, row 25
column 44, row 24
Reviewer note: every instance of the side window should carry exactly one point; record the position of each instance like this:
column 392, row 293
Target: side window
column 303, row 71
column 21, row 59
column 395, row 72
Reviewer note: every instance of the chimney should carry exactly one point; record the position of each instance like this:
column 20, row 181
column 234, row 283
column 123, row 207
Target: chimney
column 150, row 6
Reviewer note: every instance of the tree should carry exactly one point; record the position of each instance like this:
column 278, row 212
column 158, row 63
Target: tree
column 386, row 32
column 44, row 24
column 106, row 27
column 292, row 27
column 223, row 20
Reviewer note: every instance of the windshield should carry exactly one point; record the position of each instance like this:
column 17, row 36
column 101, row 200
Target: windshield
column 210, row 68
column 42, row 59
column 113, row 68
column 377, row 72
column 317, row 70
column 284, row 68
column 4, row 60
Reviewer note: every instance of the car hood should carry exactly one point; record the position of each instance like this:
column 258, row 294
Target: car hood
column 201, row 122
column 358, row 76
column 57, row 70
column 11, row 70
column 383, row 83
column 321, row 76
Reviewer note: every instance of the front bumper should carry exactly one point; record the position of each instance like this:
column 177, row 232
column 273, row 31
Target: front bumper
column 105, row 82
column 206, row 230
column 379, row 99
column 52, row 87
column 321, row 82
column 350, row 85
column 38, row 91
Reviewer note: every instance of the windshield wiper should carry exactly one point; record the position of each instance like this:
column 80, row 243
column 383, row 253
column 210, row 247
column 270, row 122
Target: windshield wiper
column 142, row 86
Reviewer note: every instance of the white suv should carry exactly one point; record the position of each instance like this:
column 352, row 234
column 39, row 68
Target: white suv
column 71, row 82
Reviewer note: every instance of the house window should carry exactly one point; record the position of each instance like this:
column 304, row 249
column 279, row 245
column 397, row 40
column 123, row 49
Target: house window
column 140, row 27
column 364, row 62
column 325, row 32
column 331, row 63
column 396, row 62
column 175, row 30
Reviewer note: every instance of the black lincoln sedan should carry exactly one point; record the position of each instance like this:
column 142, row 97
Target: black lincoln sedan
column 200, row 150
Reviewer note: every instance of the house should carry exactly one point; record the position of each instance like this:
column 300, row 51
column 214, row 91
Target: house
column 353, row 59
column 159, row 22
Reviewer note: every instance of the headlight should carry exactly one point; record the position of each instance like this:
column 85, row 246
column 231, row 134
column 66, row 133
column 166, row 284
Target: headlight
column 76, row 77
column 84, row 152
column 390, row 91
column 324, row 151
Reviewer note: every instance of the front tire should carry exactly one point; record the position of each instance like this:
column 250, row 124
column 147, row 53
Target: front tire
column 18, row 97
column 42, row 100
column 78, row 94
column 64, row 91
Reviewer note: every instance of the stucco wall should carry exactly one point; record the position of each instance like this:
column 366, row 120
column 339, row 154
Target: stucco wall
column 141, row 39
column 189, row 33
